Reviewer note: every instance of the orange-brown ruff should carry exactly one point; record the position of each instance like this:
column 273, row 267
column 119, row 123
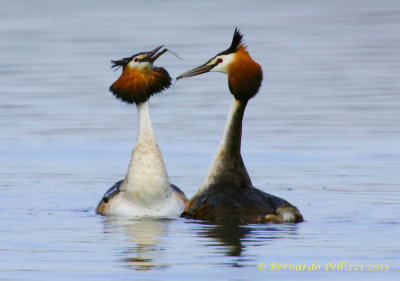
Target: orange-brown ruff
column 244, row 75
column 136, row 87
column 227, row 194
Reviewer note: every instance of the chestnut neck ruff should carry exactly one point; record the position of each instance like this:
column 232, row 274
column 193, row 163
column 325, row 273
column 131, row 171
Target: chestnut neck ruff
column 136, row 87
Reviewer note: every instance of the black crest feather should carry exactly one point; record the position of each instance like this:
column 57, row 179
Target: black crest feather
column 118, row 63
column 122, row 62
column 237, row 42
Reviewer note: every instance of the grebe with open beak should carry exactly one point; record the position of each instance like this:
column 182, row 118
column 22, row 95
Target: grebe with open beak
column 146, row 190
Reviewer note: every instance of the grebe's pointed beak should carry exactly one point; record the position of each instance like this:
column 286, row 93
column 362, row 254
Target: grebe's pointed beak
column 198, row 70
column 152, row 56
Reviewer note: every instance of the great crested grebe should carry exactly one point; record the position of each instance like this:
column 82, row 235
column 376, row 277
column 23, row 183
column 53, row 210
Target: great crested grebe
column 146, row 190
column 227, row 193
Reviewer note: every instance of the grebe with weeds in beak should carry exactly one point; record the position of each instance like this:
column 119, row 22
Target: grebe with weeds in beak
column 146, row 190
column 227, row 194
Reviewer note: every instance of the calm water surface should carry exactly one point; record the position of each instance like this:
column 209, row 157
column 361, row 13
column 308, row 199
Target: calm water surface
column 322, row 133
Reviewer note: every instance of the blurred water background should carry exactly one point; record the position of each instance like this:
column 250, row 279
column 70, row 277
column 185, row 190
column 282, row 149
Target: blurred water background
column 323, row 133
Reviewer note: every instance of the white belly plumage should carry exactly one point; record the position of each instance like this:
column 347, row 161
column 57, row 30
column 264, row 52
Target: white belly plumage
column 170, row 206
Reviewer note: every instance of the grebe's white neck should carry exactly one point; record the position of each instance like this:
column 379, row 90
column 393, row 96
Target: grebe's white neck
column 145, row 133
column 228, row 167
column 147, row 176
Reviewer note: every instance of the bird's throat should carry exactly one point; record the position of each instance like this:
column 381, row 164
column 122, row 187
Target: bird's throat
column 232, row 138
column 228, row 167
column 145, row 133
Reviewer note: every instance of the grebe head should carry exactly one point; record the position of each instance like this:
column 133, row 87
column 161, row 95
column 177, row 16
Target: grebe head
column 139, row 79
column 244, row 74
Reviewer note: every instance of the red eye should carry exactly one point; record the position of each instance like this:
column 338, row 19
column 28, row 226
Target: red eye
column 136, row 59
column 219, row 60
